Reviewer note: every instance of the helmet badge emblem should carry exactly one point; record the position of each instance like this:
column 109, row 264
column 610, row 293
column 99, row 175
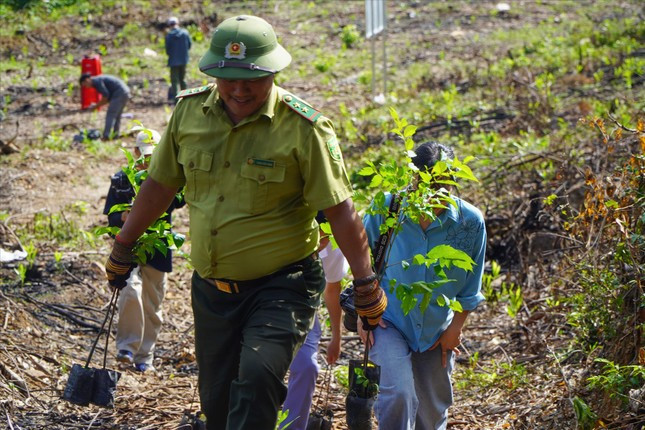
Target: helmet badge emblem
column 235, row 50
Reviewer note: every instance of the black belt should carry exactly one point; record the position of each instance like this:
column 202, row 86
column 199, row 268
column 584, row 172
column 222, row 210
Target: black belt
column 235, row 287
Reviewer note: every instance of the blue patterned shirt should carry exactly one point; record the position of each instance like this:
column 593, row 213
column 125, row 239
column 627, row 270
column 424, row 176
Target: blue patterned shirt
column 462, row 228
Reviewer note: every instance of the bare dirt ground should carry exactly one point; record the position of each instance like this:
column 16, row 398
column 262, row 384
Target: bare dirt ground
column 49, row 322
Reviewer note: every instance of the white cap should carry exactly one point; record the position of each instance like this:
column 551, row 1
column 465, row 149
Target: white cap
column 146, row 141
column 172, row 20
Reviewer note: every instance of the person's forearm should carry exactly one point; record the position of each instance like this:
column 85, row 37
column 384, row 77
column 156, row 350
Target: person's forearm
column 332, row 301
column 350, row 235
column 459, row 319
column 152, row 201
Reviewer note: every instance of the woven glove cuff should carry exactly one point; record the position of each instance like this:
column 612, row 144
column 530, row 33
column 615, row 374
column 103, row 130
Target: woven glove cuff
column 370, row 302
column 122, row 252
column 119, row 264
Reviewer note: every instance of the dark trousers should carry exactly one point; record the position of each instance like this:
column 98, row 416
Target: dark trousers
column 177, row 81
column 245, row 342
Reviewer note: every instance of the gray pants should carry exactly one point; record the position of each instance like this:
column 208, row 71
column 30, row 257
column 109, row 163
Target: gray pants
column 415, row 390
column 113, row 116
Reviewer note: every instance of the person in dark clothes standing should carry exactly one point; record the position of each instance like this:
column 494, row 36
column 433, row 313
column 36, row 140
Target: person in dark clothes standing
column 116, row 93
column 178, row 44
column 139, row 303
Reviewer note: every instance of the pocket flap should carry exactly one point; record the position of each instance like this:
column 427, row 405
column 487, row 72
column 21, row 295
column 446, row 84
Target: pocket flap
column 195, row 159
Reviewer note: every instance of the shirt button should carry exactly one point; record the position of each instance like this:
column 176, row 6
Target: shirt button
column 418, row 325
column 191, row 164
column 220, row 198
column 261, row 178
column 227, row 164
column 249, row 161
column 214, row 232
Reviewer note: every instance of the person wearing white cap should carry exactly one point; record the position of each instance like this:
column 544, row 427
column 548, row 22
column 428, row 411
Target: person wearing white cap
column 139, row 303
column 178, row 43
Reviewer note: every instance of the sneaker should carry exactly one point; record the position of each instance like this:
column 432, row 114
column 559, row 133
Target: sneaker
column 124, row 356
column 143, row 367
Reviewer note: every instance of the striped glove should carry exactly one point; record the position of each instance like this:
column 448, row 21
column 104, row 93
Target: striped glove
column 120, row 264
column 370, row 301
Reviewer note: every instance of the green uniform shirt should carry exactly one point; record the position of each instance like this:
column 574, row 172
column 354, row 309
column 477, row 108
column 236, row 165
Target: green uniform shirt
column 253, row 189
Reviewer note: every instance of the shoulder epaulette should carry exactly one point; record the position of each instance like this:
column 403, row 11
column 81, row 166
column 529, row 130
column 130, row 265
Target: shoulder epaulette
column 193, row 91
column 301, row 107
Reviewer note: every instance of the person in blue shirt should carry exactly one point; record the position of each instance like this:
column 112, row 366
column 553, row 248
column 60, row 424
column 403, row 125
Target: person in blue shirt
column 178, row 43
column 416, row 352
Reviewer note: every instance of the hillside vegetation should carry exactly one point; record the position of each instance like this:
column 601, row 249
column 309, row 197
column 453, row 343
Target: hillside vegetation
column 547, row 96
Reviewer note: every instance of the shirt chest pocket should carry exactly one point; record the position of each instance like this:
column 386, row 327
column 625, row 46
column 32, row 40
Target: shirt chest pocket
column 260, row 187
column 197, row 166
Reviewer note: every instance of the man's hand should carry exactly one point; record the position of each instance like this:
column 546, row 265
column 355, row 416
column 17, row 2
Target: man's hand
column 119, row 264
column 449, row 340
column 367, row 336
column 370, row 301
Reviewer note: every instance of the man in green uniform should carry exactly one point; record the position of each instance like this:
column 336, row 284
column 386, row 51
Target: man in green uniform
column 257, row 163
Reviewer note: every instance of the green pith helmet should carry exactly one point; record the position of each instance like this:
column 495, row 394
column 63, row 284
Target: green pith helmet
column 244, row 47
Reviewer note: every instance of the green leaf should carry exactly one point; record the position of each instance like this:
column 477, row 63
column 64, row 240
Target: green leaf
column 120, row 208
column 394, row 115
column 548, row 201
column 441, row 300
column 425, row 301
column 409, row 131
column 325, row 227
column 140, row 176
column 418, row 259
column 468, row 159
column 465, row 173
column 408, row 302
column 376, row 181
column 456, row 306
column 161, row 247
column 439, row 167
column 178, row 239
column 425, row 177
column 366, row 171
column 99, row 231
column 439, row 272
column 446, row 255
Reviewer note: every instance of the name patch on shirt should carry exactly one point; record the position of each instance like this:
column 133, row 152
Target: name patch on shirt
column 260, row 162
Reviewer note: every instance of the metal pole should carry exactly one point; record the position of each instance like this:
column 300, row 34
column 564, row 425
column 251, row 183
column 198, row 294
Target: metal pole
column 384, row 67
column 373, row 68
